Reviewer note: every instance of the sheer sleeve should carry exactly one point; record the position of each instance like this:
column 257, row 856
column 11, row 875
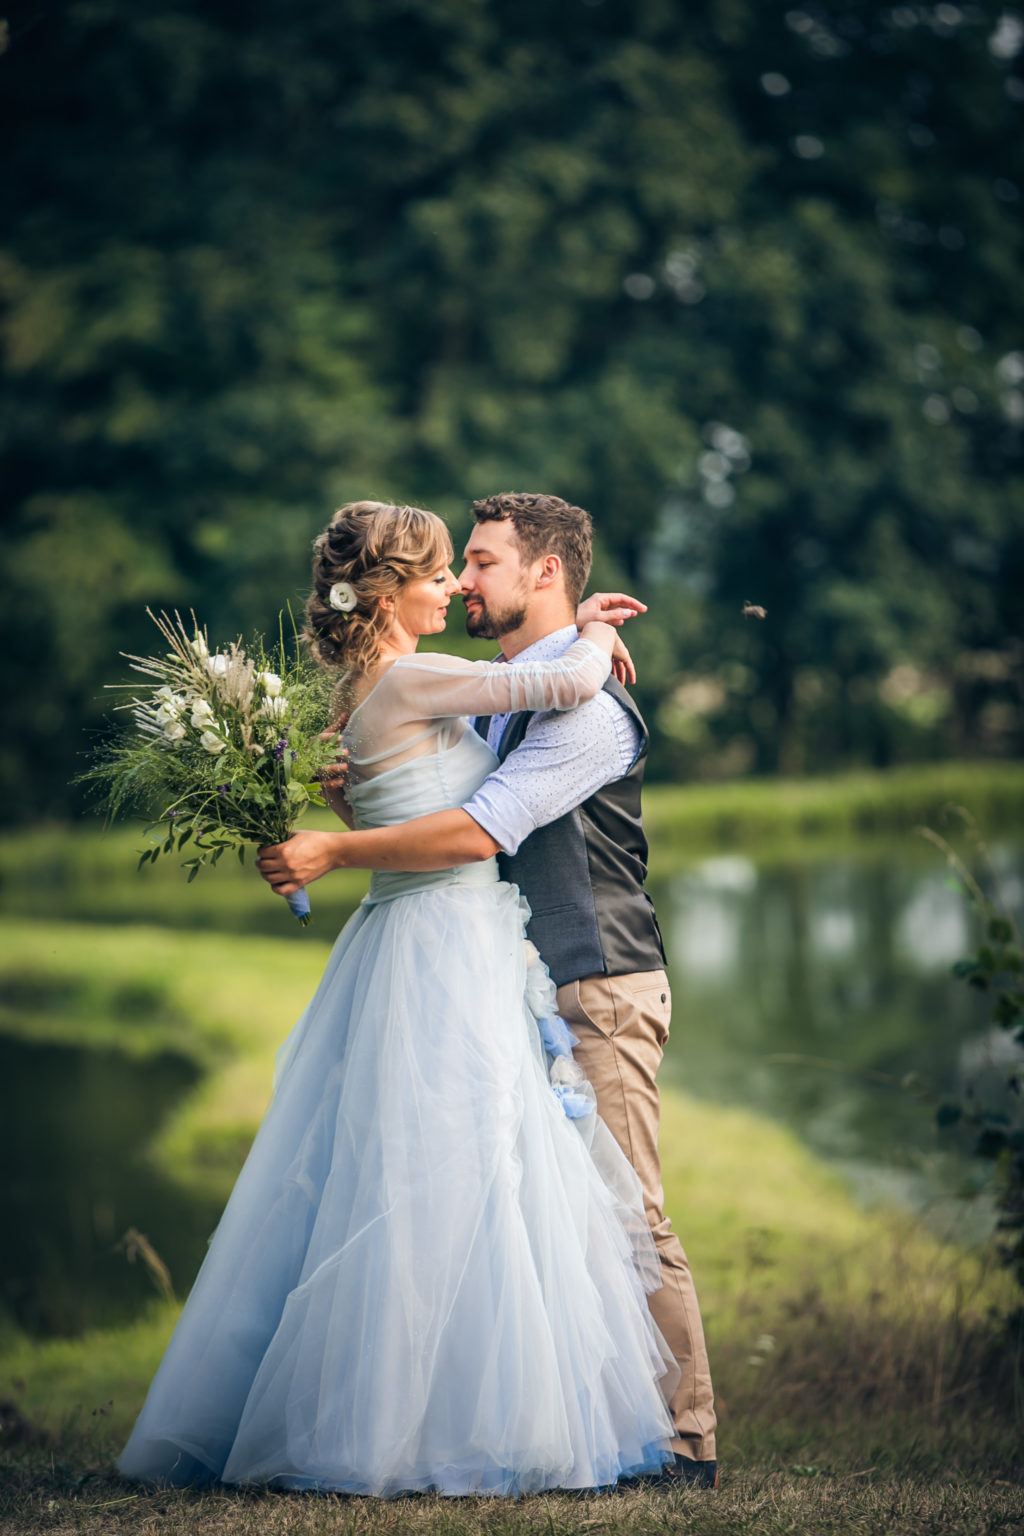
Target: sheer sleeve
column 431, row 687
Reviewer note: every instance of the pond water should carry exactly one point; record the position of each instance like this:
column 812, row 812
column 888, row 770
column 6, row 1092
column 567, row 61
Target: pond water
column 820, row 994
column 808, row 991
column 74, row 1125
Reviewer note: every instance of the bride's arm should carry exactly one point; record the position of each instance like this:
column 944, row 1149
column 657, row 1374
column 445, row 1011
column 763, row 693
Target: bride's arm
column 425, row 688
column 428, row 687
column 437, row 841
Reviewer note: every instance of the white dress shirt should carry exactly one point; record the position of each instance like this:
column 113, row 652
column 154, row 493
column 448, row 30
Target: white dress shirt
column 564, row 758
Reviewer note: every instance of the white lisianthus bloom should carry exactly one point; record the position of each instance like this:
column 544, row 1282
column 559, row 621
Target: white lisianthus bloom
column 174, row 730
column 212, row 742
column 169, row 701
column 273, row 708
column 200, row 647
column 271, row 683
column 202, row 715
column 217, row 665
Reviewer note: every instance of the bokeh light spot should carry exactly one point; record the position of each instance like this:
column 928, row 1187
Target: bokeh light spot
column 639, row 285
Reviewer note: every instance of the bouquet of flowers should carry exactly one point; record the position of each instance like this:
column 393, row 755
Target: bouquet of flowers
column 225, row 746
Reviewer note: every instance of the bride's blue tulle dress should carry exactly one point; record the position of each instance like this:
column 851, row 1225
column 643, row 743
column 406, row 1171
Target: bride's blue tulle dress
column 421, row 1280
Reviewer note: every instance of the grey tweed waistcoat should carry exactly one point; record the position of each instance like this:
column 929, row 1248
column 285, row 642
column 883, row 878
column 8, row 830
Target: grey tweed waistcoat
column 583, row 874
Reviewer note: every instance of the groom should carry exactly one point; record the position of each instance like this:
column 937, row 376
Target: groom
column 562, row 813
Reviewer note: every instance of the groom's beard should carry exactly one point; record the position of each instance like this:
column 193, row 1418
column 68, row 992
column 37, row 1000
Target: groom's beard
column 485, row 623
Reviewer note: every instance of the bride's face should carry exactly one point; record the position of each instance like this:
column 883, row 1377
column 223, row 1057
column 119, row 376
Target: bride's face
column 421, row 607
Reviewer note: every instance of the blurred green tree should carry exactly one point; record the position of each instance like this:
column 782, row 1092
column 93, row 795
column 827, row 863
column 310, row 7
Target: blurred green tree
column 739, row 278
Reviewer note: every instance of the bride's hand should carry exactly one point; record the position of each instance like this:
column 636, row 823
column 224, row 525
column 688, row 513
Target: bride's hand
column 605, row 638
column 286, row 867
column 608, row 608
column 334, row 775
column 623, row 669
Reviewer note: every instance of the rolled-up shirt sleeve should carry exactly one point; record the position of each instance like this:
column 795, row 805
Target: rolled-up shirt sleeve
column 562, row 760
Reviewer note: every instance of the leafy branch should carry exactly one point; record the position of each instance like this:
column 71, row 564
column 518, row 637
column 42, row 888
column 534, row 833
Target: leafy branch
column 996, row 969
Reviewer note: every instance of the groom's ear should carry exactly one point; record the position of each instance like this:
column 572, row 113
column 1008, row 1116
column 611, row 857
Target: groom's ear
column 549, row 569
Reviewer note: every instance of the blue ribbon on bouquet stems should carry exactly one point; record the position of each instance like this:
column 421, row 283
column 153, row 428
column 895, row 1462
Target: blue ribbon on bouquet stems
column 298, row 901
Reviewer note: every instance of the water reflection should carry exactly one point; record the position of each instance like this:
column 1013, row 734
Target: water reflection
column 933, row 926
column 74, row 1126
column 812, row 991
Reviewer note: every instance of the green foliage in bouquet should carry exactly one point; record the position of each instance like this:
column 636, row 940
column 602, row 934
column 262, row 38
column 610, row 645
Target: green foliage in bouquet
column 225, row 746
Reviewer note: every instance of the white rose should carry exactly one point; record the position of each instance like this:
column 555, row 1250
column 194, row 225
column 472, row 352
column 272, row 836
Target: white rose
column 271, row 683
column 217, row 665
column 202, row 715
column 342, row 596
column 174, row 730
column 273, row 708
column 211, row 741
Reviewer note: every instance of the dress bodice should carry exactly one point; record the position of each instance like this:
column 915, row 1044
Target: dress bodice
column 411, row 753
column 439, row 780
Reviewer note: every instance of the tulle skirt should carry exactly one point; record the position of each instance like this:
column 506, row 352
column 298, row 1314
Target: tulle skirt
column 423, row 1278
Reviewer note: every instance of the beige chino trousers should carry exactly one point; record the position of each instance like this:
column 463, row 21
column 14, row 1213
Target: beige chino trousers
column 621, row 1023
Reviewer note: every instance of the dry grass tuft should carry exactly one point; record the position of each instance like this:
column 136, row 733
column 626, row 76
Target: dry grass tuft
column 781, row 1500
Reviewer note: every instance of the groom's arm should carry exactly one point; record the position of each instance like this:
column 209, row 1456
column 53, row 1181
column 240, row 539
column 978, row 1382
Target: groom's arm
column 562, row 761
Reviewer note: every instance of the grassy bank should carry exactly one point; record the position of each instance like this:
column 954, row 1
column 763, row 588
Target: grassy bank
column 862, row 1380
column 816, row 1310
column 864, row 1375
column 861, row 1384
column 88, row 873
column 763, row 815
column 225, row 1001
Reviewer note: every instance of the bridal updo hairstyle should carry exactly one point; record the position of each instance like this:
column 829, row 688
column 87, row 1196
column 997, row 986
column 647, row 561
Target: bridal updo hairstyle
column 376, row 548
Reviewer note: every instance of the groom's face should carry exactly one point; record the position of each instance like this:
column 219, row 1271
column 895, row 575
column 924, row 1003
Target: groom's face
column 494, row 583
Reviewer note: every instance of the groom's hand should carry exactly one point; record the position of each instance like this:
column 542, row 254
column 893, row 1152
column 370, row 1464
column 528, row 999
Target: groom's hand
column 608, row 608
column 298, row 862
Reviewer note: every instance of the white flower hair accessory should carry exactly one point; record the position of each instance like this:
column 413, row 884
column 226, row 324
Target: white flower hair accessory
column 342, row 596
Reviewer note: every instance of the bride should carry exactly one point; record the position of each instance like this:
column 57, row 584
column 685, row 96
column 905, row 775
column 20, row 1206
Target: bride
column 428, row 1276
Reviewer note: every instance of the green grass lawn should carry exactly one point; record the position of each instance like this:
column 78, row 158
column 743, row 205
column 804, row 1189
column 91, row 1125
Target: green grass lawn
column 859, row 1363
column 866, row 1377
column 862, row 1380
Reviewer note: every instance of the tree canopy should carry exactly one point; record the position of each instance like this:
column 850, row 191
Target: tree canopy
column 743, row 280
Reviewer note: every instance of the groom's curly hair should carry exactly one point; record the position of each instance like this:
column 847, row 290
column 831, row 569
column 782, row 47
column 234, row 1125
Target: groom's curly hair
column 545, row 525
